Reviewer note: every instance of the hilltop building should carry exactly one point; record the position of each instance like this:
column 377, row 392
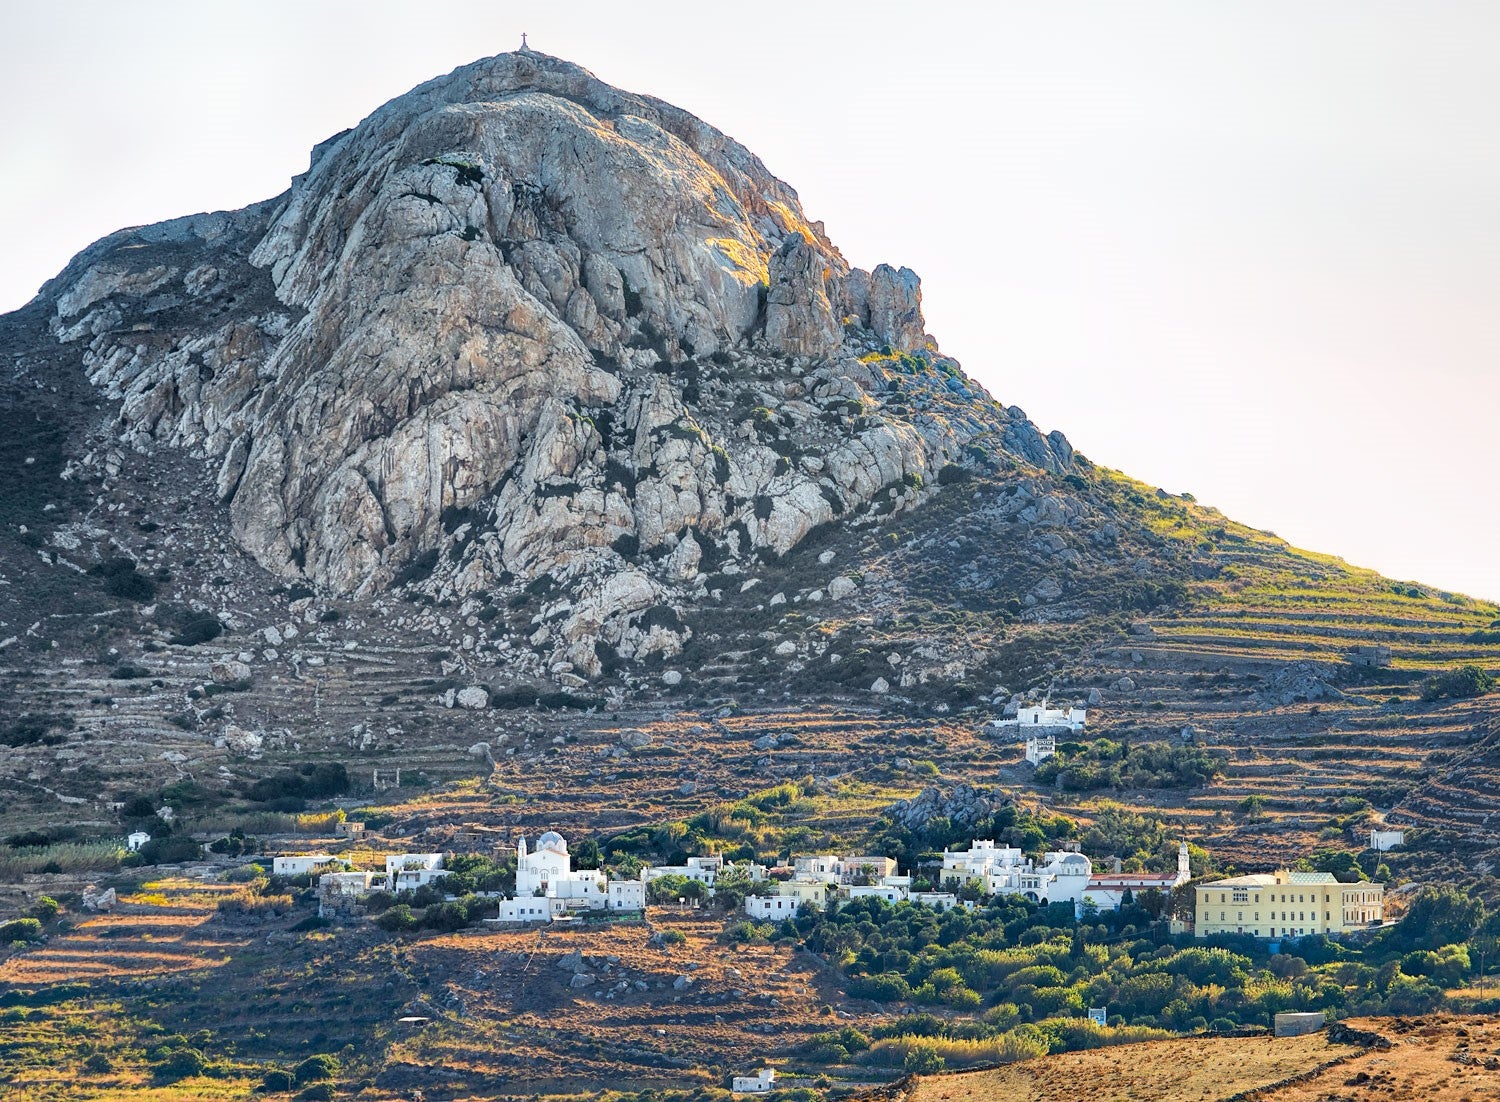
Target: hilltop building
column 1286, row 904
column 626, row 895
column 832, row 869
column 705, row 870
column 1042, row 717
column 548, row 886
column 789, row 898
column 1382, row 840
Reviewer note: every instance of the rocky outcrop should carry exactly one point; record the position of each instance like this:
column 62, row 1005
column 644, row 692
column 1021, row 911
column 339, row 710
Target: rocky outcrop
column 963, row 806
column 521, row 332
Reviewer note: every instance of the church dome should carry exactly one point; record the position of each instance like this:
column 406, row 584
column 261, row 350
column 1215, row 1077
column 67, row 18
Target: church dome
column 553, row 841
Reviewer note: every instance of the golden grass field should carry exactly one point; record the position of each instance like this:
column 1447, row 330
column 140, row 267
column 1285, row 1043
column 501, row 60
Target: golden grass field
column 1441, row 1059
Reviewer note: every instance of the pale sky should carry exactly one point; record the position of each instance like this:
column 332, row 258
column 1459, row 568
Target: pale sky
column 1248, row 250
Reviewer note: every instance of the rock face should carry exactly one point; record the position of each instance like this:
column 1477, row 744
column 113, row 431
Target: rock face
column 521, row 329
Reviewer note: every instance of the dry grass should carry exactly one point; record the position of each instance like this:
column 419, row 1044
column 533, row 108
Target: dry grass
column 1188, row 1070
column 1423, row 1065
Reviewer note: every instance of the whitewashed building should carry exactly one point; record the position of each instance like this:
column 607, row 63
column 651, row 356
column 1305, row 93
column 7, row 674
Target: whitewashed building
column 891, row 893
column 760, row 1083
column 705, row 870
column 406, row 872
column 772, row 908
column 548, row 871
column 531, row 908
column 1382, row 840
column 300, row 864
column 1107, row 890
column 1039, row 748
column 626, row 895
column 135, row 840
column 938, row 901
column 1003, row 870
column 789, row 898
column 1042, row 716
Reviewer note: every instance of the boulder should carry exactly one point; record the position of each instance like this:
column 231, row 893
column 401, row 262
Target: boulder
column 474, row 697
column 230, row 671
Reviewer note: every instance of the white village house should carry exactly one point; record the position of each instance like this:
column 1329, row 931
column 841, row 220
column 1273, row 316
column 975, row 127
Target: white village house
column 626, row 895
column 135, row 840
column 409, row 871
column 760, row 1083
column 548, row 871
column 1040, row 747
column 1062, row 876
column 300, row 864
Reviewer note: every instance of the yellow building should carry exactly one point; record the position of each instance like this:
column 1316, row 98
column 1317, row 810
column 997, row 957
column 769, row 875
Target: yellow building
column 1286, row 904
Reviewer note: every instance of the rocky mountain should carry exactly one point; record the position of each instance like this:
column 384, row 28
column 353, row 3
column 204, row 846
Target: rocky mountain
column 517, row 329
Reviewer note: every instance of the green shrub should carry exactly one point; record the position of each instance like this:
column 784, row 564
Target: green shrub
column 316, row 1068
column 922, row 1059
column 178, row 1063
column 1460, row 684
column 397, row 919
column 20, row 929
column 277, row 1081
column 205, row 629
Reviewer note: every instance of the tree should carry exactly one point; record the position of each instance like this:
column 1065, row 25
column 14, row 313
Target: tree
column 1438, row 917
column 732, row 886
column 672, row 887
